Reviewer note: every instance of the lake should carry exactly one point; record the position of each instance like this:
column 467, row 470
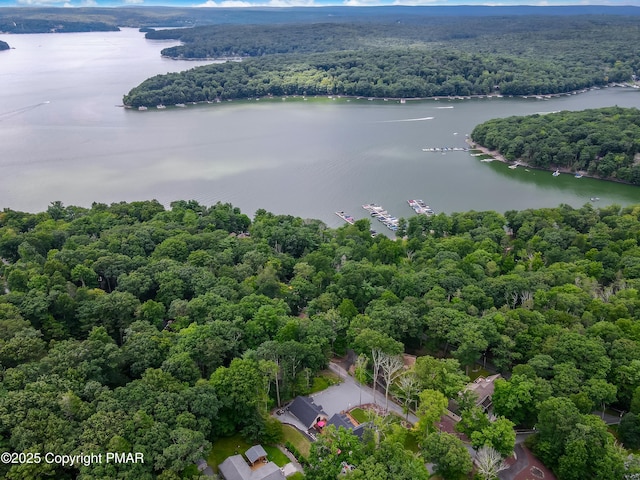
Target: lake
column 64, row 136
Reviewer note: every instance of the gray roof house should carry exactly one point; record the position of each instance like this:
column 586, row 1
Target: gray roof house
column 236, row 468
column 256, row 454
column 307, row 412
column 204, row 468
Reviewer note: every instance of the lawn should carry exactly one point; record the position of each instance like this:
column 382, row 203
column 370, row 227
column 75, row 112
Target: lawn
column 323, row 381
column 478, row 371
column 228, row 446
column 298, row 440
column 359, row 415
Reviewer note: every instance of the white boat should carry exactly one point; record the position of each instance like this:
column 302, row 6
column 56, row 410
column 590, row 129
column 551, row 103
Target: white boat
column 181, row 105
column 160, row 107
column 142, row 108
column 556, row 173
column 514, row 166
column 578, row 175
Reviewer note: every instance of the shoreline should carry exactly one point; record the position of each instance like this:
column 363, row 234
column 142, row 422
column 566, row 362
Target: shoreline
column 497, row 156
column 402, row 100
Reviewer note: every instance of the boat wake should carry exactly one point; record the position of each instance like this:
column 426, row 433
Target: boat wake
column 408, row 120
column 13, row 113
column 442, row 108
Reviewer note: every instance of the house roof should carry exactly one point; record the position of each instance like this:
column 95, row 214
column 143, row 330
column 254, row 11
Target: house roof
column 305, row 410
column 236, row 468
column 484, row 387
column 359, row 430
column 340, row 421
column 255, row 453
column 270, row 471
column 204, row 467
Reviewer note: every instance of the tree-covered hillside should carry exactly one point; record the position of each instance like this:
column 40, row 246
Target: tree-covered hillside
column 387, row 57
column 602, row 142
column 134, row 328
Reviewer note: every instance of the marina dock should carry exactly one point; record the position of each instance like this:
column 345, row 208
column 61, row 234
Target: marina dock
column 378, row 212
column 420, row 207
column 446, row 149
column 347, row 218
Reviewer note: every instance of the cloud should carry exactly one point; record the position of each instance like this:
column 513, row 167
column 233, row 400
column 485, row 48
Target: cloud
column 133, row 2
column 42, row 2
column 269, row 3
column 362, row 3
column 291, row 3
column 227, row 4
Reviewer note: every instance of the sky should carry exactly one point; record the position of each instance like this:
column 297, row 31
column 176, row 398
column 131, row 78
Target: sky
column 307, row 3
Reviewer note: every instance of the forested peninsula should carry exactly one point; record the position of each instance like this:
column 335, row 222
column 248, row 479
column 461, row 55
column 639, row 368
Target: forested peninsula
column 4, row 45
column 132, row 327
column 604, row 142
column 399, row 58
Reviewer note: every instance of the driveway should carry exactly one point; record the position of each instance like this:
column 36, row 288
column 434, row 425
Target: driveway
column 349, row 394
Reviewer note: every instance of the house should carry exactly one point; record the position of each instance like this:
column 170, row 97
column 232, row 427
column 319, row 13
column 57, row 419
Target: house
column 204, row 468
column 236, row 468
column 256, row 454
column 341, row 420
column 309, row 414
column 483, row 387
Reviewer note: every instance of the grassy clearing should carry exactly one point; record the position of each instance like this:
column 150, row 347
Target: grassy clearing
column 324, row 381
column 360, row 415
column 234, row 445
column 276, row 456
column 301, row 442
column 478, row 371
column 296, row 476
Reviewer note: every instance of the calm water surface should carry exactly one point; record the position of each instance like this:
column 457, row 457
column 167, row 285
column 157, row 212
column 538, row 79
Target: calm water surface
column 305, row 158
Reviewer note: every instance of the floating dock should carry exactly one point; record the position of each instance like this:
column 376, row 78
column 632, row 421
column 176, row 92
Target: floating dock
column 420, row 207
column 378, row 212
column 446, row 149
column 347, row 218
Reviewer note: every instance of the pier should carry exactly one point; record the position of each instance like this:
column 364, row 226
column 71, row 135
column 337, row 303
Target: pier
column 377, row 211
column 446, row 149
column 347, row 218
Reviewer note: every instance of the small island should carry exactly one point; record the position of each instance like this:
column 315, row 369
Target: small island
column 4, row 45
column 601, row 143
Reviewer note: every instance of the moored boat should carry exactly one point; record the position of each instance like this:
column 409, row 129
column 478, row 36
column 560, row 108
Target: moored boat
column 347, row 218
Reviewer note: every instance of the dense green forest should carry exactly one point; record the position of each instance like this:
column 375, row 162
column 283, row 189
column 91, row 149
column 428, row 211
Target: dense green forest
column 4, row 45
column 134, row 328
column 601, row 142
column 42, row 19
column 384, row 57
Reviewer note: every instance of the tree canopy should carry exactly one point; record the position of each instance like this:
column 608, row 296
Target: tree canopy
column 602, row 142
column 139, row 327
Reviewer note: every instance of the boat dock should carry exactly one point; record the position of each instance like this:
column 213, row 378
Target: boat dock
column 446, row 149
column 347, row 218
column 420, row 207
column 377, row 211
